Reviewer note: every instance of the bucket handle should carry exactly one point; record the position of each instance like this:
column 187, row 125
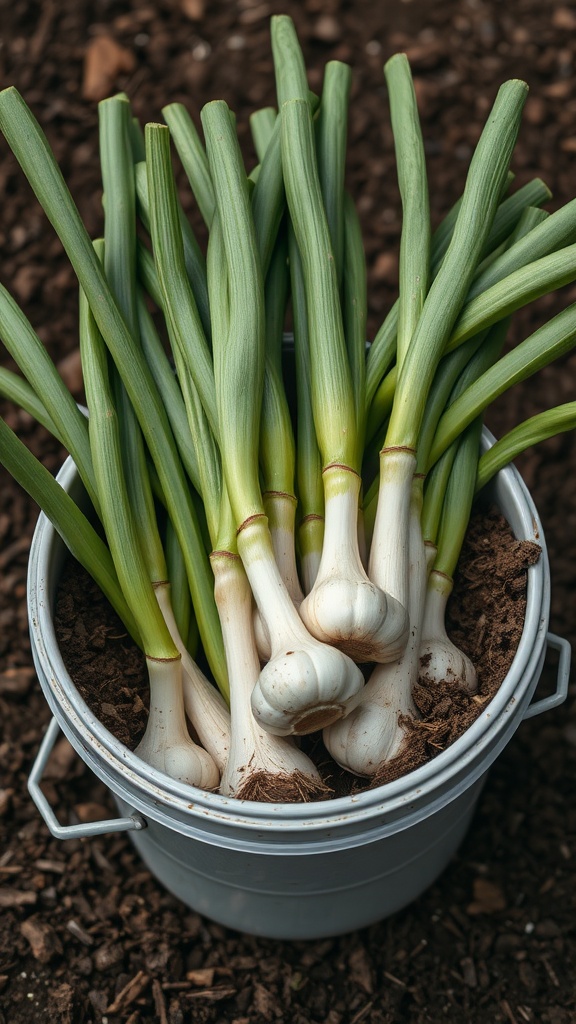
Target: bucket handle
column 82, row 830
column 557, row 643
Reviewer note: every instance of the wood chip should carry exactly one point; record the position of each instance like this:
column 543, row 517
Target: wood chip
column 79, row 933
column 213, row 995
column 488, row 898
column 15, row 682
column 129, row 993
column 91, row 812
column 362, row 1014
column 108, row 956
column 56, row 867
column 361, row 970
column 203, row 977
column 60, row 761
column 17, row 898
column 43, row 940
column 105, row 60
column 5, row 799
column 194, row 9
column 159, row 1002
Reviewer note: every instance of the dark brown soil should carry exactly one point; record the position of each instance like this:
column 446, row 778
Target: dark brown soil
column 85, row 933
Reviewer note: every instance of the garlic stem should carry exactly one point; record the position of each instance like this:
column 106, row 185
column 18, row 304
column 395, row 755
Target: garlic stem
column 388, row 563
column 280, row 509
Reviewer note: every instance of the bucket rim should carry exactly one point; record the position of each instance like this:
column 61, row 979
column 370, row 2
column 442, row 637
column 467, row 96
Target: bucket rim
column 87, row 733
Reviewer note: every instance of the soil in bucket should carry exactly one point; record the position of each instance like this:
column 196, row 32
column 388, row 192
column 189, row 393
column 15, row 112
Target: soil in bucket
column 485, row 618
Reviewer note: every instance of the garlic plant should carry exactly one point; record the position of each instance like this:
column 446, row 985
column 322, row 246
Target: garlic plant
column 305, row 684
column 292, row 525
column 260, row 766
column 343, row 607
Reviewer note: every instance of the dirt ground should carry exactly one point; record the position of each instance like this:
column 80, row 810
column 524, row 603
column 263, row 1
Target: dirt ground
column 86, row 935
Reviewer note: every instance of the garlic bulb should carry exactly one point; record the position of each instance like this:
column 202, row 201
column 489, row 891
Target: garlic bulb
column 166, row 744
column 260, row 766
column 204, row 705
column 440, row 659
column 306, row 684
column 375, row 731
column 345, row 608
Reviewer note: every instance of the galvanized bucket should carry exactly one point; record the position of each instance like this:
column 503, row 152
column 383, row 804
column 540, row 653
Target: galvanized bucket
column 294, row 871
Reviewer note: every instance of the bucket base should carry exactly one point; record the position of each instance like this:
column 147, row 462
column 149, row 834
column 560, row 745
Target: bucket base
column 280, row 896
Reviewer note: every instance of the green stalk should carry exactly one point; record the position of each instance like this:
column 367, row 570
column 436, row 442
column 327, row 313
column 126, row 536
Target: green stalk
column 180, row 600
column 179, row 305
column 32, row 151
column 331, row 139
column 486, row 352
column 412, row 180
column 530, row 432
column 268, row 199
column 18, row 391
column 118, row 254
column 262, row 128
column 355, row 303
column 498, row 263
column 193, row 258
column 30, row 355
column 548, row 343
column 514, row 291
column 533, row 193
column 168, row 388
column 239, row 364
column 193, row 157
column 440, row 660
column 277, row 456
column 79, row 536
column 449, row 371
column 223, row 525
column 332, row 397
column 531, row 217
column 119, row 523
column 486, row 178
column 383, row 348
column 308, row 461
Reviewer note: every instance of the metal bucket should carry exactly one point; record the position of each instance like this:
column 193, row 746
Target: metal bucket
column 297, row 871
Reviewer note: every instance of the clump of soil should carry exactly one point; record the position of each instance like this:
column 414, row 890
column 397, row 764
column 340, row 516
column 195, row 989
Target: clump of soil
column 485, row 618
